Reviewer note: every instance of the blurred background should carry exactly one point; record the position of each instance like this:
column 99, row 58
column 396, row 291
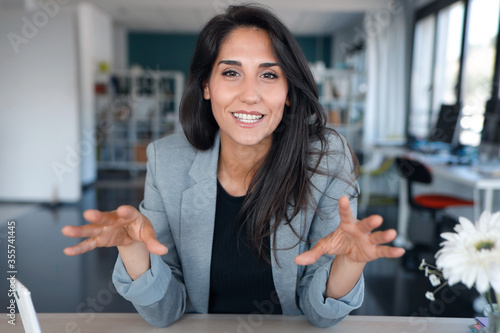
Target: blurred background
column 86, row 85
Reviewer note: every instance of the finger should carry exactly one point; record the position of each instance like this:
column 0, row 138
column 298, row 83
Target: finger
column 345, row 211
column 89, row 230
column 384, row 251
column 370, row 223
column 128, row 213
column 382, row 237
column 155, row 247
column 311, row 256
column 85, row 246
column 96, row 216
column 123, row 215
column 152, row 243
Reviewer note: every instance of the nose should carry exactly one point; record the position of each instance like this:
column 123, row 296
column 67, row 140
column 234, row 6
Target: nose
column 249, row 91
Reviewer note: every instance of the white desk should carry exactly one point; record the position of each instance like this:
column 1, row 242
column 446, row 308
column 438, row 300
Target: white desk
column 461, row 174
column 194, row 323
column 468, row 176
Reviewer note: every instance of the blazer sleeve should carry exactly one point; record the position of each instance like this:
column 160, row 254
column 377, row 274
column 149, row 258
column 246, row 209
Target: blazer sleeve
column 159, row 294
column 320, row 310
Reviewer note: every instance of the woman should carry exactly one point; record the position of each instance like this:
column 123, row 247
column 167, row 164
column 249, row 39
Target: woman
column 250, row 209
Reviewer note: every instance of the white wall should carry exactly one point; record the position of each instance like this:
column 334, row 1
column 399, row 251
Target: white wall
column 39, row 118
column 95, row 45
column 47, row 120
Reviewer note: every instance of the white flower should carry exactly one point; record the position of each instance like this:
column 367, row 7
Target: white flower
column 422, row 264
column 472, row 254
column 435, row 281
column 430, row 296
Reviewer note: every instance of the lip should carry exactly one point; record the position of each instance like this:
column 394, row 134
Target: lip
column 253, row 113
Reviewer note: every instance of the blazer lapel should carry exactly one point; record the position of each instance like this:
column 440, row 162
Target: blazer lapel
column 285, row 270
column 197, row 226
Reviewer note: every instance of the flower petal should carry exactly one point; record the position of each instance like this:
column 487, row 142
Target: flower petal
column 482, row 283
column 469, row 276
column 466, row 224
column 448, row 236
column 494, row 274
column 495, row 220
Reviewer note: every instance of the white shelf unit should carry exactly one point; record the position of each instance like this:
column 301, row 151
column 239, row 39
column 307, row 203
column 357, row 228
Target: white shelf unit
column 134, row 108
column 342, row 94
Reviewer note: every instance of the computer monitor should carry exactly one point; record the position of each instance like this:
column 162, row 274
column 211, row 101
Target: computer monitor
column 490, row 137
column 444, row 130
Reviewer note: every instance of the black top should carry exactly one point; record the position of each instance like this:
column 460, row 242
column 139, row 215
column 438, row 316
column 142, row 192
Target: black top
column 239, row 282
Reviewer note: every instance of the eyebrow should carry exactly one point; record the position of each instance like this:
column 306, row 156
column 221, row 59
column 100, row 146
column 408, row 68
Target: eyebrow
column 237, row 63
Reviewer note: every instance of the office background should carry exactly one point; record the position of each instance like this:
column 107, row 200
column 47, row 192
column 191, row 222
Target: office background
column 384, row 69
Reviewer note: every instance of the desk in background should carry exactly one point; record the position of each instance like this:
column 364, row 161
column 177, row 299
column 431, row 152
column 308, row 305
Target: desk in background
column 470, row 176
column 480, row 183
column 244, row 323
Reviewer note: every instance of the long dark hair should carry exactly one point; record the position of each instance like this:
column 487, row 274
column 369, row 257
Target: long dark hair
column 283, row 180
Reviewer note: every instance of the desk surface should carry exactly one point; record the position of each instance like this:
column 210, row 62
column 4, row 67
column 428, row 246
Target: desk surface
column 467, row 175
column 482, row 184
column 192, row 323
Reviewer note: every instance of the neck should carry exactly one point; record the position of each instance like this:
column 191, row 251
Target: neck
column 238, row 164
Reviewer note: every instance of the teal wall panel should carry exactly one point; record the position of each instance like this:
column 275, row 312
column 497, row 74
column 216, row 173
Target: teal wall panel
column 316, row 48
column 158, row 51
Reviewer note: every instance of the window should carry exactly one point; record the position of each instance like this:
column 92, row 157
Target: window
column 479, row 67
column 452, row 69
column 447, row 55
column 421, row 76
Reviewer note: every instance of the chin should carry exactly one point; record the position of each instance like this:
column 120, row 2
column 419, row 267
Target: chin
column 251, row 141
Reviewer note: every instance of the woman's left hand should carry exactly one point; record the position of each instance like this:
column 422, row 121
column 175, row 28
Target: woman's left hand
column 354, row 239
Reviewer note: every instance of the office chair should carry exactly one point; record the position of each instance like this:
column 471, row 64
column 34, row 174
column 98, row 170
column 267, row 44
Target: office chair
column 433, row 204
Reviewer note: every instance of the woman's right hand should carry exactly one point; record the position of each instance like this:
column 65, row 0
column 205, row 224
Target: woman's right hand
column 125, row 227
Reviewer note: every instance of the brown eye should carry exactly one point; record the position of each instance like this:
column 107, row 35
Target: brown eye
column 270, row 76
column 230, row 73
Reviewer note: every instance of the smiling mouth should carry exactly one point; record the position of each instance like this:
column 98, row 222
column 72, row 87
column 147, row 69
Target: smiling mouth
column 247, row 118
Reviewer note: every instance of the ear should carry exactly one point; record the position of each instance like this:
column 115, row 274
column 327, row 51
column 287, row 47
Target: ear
column 206, row 91
column 287, row 101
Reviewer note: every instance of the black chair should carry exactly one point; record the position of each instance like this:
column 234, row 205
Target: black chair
column 431, row 203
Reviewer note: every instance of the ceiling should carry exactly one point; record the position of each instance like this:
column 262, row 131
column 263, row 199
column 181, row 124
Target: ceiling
column 303, row 17
column 188, row 16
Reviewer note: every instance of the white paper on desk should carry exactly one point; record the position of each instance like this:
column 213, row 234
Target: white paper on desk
column 488, row 170
column 26, row 309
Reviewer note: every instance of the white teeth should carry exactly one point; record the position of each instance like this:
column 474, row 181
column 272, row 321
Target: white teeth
column 247, row 118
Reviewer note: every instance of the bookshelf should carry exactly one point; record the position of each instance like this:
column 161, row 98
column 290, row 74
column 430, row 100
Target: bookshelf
column 134, row 108
column 342, row 94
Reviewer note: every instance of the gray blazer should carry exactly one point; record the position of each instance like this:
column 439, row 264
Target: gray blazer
column 180, row 198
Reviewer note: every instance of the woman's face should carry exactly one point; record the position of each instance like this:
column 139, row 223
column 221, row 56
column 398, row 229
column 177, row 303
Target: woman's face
column 247, row 88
